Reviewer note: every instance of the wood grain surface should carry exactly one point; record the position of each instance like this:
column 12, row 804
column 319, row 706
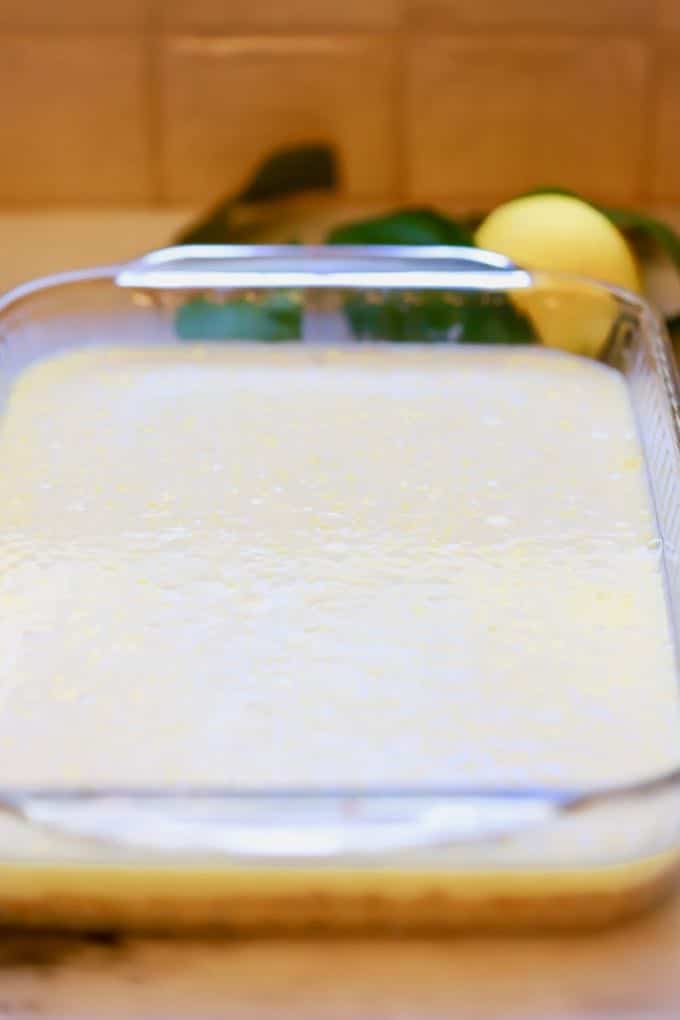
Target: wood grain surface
column 629, row 972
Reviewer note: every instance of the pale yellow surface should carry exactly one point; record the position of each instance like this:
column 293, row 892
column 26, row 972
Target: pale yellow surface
column 274, row 566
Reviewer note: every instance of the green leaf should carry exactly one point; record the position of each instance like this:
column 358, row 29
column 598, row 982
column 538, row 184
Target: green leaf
column 286, row 172
column 438, row 318
column 639, row 225
column 673, row 327
column 289, row 171
column 277, row 317
column 493, row 319
column 406, row 226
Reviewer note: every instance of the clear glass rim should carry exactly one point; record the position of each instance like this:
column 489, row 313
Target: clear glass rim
column 420, row 267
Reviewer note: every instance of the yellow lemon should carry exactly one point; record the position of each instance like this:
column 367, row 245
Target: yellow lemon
column 561, row 233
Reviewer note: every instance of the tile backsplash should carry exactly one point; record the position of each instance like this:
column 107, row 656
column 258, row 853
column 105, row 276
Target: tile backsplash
column 167, row 101
column 226, row 101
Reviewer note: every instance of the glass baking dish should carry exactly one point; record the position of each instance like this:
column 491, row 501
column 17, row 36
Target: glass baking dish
column 343, row 858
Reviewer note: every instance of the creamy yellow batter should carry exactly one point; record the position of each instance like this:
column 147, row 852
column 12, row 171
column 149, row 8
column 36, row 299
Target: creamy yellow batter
column 273, row 566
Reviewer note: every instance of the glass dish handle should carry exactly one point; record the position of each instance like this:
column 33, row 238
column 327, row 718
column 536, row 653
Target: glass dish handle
column 274, row 827
column 379, row 267
column 277, row 827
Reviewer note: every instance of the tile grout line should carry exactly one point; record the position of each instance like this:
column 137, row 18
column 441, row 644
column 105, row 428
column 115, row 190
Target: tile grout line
column 531, row 33
column 648, row 134
column 153, row 88
column 650, row 110
column 399, row 118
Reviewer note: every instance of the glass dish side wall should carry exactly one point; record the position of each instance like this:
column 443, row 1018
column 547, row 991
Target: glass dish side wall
column 425, row 830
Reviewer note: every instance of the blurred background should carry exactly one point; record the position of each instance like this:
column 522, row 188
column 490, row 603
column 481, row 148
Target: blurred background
column 168, row 103
column 122, row 122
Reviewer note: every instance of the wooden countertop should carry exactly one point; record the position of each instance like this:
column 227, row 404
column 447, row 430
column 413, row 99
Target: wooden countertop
column 630, row 972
